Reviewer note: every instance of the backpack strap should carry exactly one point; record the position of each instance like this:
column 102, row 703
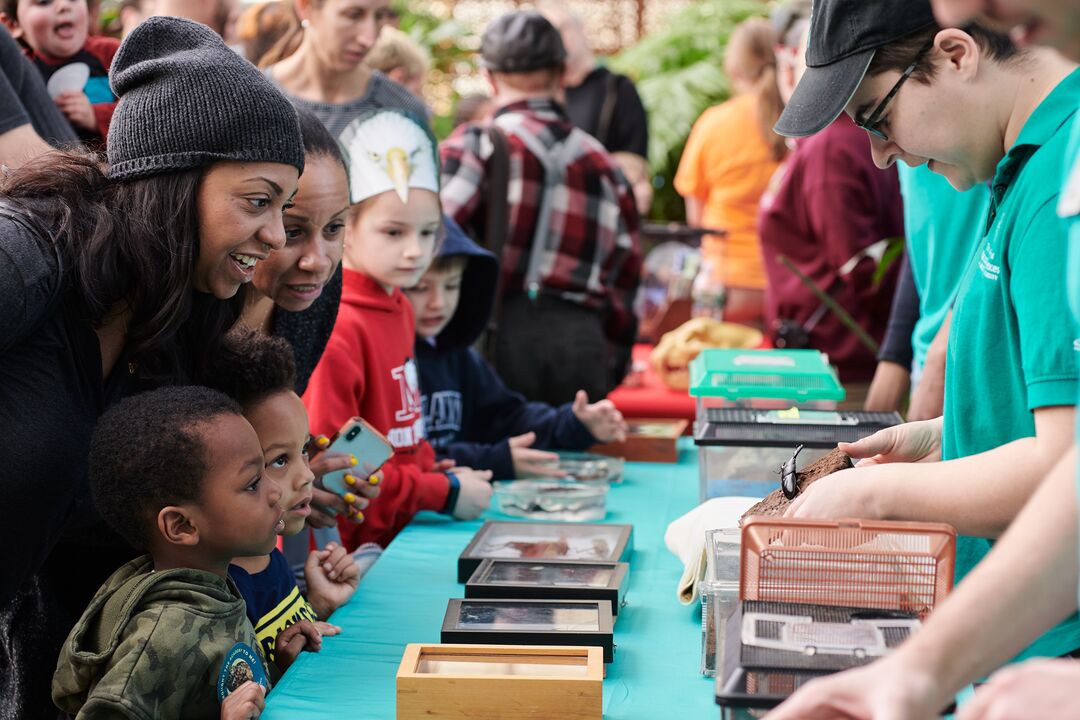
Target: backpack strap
column 607, row 108
column 496, row 224
column 555, row 160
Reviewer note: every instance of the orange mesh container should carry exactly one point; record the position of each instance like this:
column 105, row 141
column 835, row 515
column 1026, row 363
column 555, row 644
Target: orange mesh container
column 883, row 564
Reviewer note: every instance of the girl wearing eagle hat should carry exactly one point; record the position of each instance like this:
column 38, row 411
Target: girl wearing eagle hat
column 367, row 369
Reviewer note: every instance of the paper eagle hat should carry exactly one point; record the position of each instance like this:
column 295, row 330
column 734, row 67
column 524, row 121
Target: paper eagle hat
column 389, row 149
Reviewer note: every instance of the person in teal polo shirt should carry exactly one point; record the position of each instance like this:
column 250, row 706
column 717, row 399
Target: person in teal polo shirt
column 973, row 108
column 1069, row 210
column 1031, row 578
column 941, row 228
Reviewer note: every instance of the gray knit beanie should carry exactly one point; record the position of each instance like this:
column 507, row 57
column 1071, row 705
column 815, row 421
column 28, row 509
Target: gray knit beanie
column 186, row 100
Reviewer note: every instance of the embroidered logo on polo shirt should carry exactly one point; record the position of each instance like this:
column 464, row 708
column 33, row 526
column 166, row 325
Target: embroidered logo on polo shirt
column 988, row 264
column 1069, row 201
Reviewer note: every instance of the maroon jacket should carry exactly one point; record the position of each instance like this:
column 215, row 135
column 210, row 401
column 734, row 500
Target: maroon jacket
column 826, row 203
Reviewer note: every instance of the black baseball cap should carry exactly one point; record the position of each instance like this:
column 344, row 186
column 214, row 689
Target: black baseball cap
column 521, row 42
column 844, row 35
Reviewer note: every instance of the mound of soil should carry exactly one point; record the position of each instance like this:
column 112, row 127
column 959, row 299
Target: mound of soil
column 775, row 504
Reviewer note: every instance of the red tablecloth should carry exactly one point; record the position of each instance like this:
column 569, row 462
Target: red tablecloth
column 651, row 398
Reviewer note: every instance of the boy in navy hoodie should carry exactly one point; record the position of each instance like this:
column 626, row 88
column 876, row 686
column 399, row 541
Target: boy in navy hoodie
column 471, row 416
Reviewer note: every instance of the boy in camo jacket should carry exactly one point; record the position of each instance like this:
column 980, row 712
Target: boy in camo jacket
column 179, row 473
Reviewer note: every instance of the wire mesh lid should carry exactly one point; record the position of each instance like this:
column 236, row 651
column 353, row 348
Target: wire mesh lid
column 884, row 565
column 747, row 427
column 734, row 374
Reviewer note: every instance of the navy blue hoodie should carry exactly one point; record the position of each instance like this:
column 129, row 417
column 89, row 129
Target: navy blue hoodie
column 468, row 411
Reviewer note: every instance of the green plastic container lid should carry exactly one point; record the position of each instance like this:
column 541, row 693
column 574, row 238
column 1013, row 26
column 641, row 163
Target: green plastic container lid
column 795, row 375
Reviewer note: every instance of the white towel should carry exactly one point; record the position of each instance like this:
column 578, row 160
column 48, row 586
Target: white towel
column 685, row 537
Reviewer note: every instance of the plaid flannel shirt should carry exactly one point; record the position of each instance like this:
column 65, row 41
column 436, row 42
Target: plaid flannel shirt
column 593, row 256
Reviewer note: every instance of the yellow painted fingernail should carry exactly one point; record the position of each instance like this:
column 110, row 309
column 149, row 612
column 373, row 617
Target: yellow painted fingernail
column 359, row 516
column 350, row 480
column 373, row 480
column 353, row 461
column 322, row 441
column 350, row 498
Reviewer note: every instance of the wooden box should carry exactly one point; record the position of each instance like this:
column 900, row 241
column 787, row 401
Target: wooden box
column 590, row 542
column 647, row 440
column 500, row 682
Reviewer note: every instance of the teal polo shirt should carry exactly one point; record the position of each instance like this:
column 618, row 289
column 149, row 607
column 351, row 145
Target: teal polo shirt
column 1011, row 342
column 1069, row 209
column 942, row 228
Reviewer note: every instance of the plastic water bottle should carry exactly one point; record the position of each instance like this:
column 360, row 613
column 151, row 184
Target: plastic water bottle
column 708, row 293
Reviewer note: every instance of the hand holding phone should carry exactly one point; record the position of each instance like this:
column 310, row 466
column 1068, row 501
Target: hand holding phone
column 360, row 440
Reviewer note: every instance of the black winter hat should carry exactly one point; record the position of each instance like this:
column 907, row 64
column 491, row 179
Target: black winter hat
column 186, row 101
column 520, row 42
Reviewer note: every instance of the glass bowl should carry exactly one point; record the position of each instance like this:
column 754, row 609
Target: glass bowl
column 552, row 499
column 589, row 467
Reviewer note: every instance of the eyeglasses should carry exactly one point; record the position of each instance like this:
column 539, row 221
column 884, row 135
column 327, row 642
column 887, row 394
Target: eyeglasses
column 871, row 122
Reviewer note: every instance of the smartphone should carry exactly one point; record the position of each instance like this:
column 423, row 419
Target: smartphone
column 371, row 448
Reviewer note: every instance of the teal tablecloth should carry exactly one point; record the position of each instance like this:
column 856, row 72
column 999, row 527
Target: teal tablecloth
column 403, row 597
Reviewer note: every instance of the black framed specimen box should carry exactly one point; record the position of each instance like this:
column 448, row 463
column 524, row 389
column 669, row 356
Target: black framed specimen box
column 530, row 622
column 550, row 580
column 588, row 542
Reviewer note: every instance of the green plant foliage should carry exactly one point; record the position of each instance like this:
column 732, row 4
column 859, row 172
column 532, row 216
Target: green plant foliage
column 109, row 17
column 679, row 74
column 452, row 49
column 894, row 254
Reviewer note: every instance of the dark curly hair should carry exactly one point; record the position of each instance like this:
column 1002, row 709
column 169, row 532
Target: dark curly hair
column 149, row 452
column 252, row 366
column 318, row 142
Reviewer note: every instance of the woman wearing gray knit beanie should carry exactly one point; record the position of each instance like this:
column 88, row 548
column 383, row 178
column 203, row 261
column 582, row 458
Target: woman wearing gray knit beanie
column 116, row 277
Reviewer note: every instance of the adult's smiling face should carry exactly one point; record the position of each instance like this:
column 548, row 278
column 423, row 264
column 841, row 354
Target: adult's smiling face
column 240, row 208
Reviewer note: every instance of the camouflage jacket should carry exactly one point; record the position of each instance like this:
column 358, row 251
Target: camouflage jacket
column 152, row 645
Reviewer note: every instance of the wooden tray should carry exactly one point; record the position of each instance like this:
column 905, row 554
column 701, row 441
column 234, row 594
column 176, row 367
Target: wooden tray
column 500, row 682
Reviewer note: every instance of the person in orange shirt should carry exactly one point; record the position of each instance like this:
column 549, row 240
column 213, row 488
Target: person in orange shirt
column 730, row 156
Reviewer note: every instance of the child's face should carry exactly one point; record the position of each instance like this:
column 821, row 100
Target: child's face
column 435, row 298
column 411, row 81
column 390, row 241
column 281, row 422
column 239, row 513
column 294, row 276
column 56, row 28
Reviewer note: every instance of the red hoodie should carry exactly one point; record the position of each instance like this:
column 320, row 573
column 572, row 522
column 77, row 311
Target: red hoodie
column 368, row 370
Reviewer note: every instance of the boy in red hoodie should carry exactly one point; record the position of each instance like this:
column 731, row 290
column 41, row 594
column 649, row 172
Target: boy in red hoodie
column 56, row 35
column 367, row 369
